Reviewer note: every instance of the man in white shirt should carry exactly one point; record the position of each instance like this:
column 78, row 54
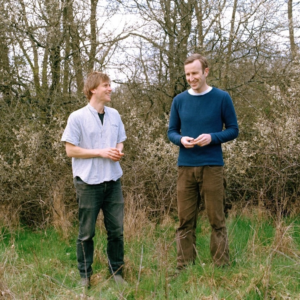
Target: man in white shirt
column 94, row 138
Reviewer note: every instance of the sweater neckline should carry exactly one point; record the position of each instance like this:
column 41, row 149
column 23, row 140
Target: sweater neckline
column 192, row 93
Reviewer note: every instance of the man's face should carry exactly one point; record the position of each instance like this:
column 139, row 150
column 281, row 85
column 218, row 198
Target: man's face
column 195, row 76
column 102, row 92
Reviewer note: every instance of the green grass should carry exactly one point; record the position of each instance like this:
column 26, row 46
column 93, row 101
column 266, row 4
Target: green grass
column 264, row 263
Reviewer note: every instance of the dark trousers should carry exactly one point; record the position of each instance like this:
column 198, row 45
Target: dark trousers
column 195, row 184
column 91, row 198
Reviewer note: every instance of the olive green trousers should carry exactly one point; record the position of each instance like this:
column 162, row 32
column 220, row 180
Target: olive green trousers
column 196, row 184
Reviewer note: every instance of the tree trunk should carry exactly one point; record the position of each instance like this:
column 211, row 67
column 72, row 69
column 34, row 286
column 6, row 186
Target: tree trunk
column 35, row 63
column 93, row 38
column 229, row 47
column 291, row 29
column 75, row 46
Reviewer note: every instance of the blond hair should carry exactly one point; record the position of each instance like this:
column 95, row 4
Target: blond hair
column 92, row 82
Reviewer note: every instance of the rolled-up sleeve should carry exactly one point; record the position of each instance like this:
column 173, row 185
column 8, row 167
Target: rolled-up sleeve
column 72, row 131
column 121, row 133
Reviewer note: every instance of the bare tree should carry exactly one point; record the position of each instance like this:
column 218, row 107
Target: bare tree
column 207, row 14
column 163, row 40
column 47, row 47
column 5, row 70
column 291, row 29
column 230, row 42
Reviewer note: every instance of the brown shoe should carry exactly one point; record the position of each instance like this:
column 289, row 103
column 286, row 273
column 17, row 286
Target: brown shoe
column 85, row 282
column 119, row 280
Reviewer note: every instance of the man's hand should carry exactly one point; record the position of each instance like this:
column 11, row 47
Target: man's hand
column 202, row 140
column 112, row 153
column 187, row 142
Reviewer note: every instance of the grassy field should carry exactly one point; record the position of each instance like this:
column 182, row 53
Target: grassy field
column 265, row 262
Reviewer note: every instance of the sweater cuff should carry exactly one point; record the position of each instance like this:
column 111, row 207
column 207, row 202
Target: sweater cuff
column 179, row 141
column 213, row 138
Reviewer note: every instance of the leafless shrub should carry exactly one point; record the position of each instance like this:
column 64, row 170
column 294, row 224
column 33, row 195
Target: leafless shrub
column 264, row 167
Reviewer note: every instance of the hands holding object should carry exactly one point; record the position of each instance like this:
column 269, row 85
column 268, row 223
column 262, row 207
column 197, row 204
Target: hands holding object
column 202, row 140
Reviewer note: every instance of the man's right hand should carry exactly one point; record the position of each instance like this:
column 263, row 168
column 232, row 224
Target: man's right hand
column 186, row 142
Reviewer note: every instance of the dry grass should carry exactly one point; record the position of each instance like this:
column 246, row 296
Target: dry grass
column 265, row 256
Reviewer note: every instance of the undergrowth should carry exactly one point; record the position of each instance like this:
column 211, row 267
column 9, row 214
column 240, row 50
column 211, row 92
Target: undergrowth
column 264, row 262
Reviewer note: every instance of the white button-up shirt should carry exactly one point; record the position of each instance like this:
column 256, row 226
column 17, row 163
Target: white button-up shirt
column 84, row 129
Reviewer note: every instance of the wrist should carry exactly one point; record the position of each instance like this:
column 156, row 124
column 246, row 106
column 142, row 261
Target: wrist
column 100, row 153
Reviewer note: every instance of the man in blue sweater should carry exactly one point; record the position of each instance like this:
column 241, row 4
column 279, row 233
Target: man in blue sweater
column 202, row 118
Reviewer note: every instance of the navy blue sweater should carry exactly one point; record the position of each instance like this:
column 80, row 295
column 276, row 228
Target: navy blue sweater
column 211, row 113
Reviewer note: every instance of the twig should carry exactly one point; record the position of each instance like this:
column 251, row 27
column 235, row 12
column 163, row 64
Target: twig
column 59, row 283
column 140, row 270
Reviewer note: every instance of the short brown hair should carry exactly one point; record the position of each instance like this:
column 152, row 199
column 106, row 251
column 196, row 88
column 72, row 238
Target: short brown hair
column 199, row 57
column 93, row 80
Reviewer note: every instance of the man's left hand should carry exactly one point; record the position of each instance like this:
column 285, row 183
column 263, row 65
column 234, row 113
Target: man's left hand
column 202, row 140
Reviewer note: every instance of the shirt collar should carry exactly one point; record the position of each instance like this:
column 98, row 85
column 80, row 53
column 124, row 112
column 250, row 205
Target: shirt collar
column 191, row 92
column 93, row 110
